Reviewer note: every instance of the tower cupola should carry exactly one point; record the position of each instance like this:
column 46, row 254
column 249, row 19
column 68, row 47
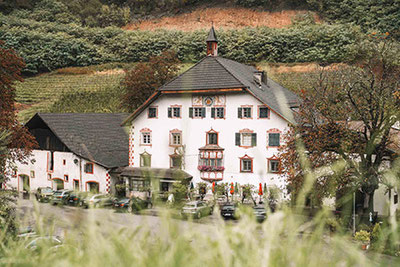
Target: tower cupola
column 212, row 43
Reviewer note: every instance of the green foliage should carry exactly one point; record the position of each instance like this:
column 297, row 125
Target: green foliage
column 180, row 191
column 381, row 15
column 362, row 236
column 271, row 4
column 377, row 238
column 107, row 100
column 47, row 46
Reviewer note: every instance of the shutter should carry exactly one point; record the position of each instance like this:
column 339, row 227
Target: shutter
column 253, row 139
column 203, row 112
column 190, row 112
column 212, row 112
column 278, row 139
column 237, row 139
column 239, row 113
column 179, row 112
column 169, row 112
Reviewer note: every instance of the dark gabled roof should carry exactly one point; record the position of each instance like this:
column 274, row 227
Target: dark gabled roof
column 212, row 37
column 208, row 73
column 222, row 73
column 97, row 137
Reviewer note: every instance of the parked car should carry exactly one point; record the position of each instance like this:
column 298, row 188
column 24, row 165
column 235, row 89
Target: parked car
column 260, row 213
column 229, row 210
column 131, row 204
column 196, row 209
column 44, row 194
column 60, row 197
column 97, row 201
column 76, row 197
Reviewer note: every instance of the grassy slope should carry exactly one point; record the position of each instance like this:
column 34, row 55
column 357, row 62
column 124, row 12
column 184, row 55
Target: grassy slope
column 38, row 94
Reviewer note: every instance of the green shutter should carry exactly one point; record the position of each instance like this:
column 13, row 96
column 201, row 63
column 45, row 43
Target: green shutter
column 203, row 112
column 212, row 112
column 179, row 112
column 237, row 139
column 190, row 112
column 253, row 139
column 239, row 113
column 169, row 112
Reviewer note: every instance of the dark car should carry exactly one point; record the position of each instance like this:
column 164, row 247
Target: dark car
column 131, row 204
column 260, row 213
column 44, row 194
column 60, row 197
column 229, row 210
column 75, row 198
column 196, row 209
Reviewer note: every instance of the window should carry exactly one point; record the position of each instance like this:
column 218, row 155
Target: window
column 197, row 112
column 263, row 112
column 176, row 139
column 274, row 165
column 174, row 112
column 146, row 138
column 212, row 138
column 175, row 161
column 274, row 139
column 396, row 199
column 50, row 162
column 244, row 112
column 145, row 160
column 246, row 139
column 152, row 112
column 76, row 185
column 218, row 113
column 32, row 174
column 246, row 164
column 64, row 162
column 88, row 168
column 66, row 178
column 138, row 185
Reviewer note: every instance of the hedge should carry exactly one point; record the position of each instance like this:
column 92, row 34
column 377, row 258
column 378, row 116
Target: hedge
column 47, row 46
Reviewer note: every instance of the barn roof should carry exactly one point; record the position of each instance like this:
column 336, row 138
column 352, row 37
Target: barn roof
column 97, row 137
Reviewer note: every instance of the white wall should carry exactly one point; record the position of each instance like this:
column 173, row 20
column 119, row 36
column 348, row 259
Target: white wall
column 194, row 136
column 40, row 167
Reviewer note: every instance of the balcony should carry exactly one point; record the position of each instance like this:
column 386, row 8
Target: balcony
column 211, row 163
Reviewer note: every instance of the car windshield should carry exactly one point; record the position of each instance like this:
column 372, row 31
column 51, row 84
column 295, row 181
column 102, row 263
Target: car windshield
column 46, row 190
column 190, row 205
column 58, row 193
column 228, row 207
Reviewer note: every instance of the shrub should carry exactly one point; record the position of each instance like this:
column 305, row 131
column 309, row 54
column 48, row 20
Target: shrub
column 362, row 236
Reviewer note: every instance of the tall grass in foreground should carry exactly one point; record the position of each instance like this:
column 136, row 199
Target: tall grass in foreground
column 284, row 239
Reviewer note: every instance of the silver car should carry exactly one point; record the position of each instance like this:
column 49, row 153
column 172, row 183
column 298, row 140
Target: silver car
column 196, row 209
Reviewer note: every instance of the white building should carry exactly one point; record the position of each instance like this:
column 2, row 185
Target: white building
column 218, row 121
column 76, row 151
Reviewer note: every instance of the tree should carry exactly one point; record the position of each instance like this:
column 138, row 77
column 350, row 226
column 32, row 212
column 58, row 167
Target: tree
column 146, row 77
column 16, row 142
column 347, row 115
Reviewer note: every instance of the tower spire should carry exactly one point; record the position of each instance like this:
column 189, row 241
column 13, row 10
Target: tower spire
column 212, row 42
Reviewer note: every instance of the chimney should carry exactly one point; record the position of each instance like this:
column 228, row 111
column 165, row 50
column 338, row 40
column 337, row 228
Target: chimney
column 212, row 43
column 260, row 77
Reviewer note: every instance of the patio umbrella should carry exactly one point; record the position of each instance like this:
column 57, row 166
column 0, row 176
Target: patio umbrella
column 232, row 189
column 260, row 190
column 213, row 187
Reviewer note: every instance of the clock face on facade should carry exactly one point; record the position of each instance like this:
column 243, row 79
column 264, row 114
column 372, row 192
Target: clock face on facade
column 208, row 101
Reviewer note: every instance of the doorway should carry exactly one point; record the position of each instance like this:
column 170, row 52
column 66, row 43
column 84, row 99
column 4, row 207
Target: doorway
column 24, row 185
column 58, row 184
column 92, row 187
